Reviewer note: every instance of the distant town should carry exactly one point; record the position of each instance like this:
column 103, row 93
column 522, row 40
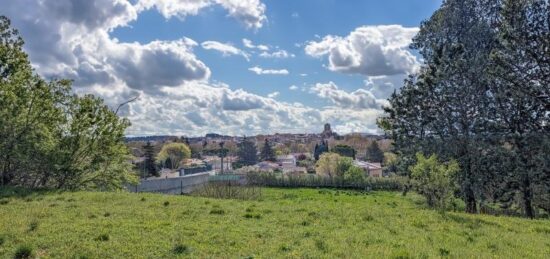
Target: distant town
column 292, row 153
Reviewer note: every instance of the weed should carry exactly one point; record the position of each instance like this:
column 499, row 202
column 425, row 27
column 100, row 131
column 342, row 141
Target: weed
column 444, row 252
column 33, row 226
column 252, row 215
column 107, row 214
column 284, row 248
column 368, row 218
column 166, row 203
column 24, row 252
column 181, row 249
column 321, row 245
column 103, row 237
column 143, row 199
column 217, row 211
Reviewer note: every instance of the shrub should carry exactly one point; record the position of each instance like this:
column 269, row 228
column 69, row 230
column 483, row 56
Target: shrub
column 166, row 203
column 107, row 214
column 23, row 252
column 2, row 240
column 434, row 180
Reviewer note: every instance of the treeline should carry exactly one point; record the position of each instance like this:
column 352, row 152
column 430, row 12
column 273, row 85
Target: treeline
column 482, row 97
column 50, row 137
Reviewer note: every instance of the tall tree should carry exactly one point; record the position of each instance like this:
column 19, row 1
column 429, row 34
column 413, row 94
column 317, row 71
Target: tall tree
column 444, row 108
column 267, row 153
column 522, row 70
column 374, row 153
column 150, row 165
column 320, row 149
column 247, row 153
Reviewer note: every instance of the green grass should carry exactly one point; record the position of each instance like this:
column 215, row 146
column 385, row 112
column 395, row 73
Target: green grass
column 287, row 223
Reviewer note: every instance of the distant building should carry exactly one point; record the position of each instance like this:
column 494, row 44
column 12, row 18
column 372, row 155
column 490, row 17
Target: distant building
column 371, row 169
column 286, row 161
column 327, row 132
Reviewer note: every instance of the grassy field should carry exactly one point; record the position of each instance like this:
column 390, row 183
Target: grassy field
column 297, row 223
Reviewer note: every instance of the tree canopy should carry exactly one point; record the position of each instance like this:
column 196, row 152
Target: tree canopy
column 50, row 137
column 172, row 155
column 481, row 97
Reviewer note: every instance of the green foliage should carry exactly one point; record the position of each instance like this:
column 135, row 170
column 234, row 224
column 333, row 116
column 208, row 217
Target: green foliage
column 481, row 97
column 150, row 165
column 320, row 149
column 50, row 137
column 344, row 150
column 24, row 252
column 323, row 181
column 354, row 174
column 173, row 155
column 361, row 224
column 267, row 153
column 434, row 180
column 247, row 153
column 374, row 153
column 332, row 164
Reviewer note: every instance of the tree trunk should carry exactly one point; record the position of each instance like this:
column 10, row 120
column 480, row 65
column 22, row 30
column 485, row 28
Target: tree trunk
column 470, row 199
column 527, row 196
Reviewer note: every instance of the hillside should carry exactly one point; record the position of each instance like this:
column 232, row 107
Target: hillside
column 300, row 223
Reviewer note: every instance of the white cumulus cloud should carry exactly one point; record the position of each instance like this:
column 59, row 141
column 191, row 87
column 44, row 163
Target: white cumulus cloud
column 368, row 50
column 251, row 13
column 358, row 99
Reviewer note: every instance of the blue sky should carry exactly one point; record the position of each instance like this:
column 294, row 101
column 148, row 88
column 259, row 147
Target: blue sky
column 227, row 66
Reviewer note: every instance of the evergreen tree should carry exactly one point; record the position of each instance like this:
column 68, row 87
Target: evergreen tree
column 444, row 108
column 247, row 153
column 320, row 149
column 482, row 98
column 344, row 150
column 374, row 153
column 267, row 153
column 522, row 70
column 150, row 165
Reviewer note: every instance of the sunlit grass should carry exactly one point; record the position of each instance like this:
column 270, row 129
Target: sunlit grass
column 301, row 223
